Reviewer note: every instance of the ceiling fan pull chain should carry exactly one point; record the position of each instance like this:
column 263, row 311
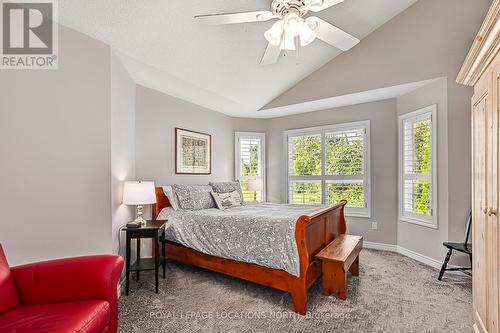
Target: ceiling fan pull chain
column 299, row 48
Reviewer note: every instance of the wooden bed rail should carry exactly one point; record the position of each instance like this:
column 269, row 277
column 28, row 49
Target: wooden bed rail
column 312, row 233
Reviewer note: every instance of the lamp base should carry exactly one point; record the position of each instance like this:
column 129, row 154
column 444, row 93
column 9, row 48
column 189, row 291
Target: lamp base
column 139, row 219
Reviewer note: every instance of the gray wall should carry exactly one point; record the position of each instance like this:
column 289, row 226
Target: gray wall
column 382, row 116
column 55, row 179
column 410, row 236
column 157, row 115
column 428, row 40
column 122, row 147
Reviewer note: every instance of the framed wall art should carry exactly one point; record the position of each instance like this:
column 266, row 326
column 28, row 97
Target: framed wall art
column 193, row 152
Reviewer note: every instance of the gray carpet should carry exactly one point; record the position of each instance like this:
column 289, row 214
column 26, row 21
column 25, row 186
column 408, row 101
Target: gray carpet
column 392, row 294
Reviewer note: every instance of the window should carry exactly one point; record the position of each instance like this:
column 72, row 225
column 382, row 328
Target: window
column 417, row 167
column 330, row 163
column 250, row 165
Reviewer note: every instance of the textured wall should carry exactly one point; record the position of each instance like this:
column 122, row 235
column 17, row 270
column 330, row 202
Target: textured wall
column 122, row 147
column 383, row 142
column 157, row 116
column 55, row 145
column 428, row 40
column 423, row 240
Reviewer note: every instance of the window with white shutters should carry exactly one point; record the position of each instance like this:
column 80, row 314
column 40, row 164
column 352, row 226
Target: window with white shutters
column 328, row 164
column 417, row 167
column 250, row 165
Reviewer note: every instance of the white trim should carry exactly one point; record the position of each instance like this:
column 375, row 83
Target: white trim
column 421, row 221
column 484, row 48
column 262, row 137
column 407, row 253
column 420, row 257
column 366, row 124
column 380, row 246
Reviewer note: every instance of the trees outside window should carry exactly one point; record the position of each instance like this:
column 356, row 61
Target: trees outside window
column 328, row 164
column 250, row 165
column 417, row 167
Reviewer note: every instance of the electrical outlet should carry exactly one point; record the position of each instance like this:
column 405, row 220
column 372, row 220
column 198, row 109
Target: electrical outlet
column 374, row 225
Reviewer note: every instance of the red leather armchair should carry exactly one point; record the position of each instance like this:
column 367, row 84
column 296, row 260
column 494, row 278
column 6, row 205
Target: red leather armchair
column 65, row 295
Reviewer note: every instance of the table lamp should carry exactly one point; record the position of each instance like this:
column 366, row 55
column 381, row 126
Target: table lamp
column 139, row 193
column 254, row 185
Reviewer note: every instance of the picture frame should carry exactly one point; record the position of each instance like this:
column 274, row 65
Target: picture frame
column 193, row 152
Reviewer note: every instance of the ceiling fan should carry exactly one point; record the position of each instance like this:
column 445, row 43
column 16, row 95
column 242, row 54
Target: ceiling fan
column 292, row 29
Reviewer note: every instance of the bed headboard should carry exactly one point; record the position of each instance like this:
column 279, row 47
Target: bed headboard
column 161, row 202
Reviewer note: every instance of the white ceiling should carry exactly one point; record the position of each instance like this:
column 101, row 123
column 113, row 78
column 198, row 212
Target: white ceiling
column 214, row 66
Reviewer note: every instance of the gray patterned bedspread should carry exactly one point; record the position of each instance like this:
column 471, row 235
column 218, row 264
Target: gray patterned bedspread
column 262, row 234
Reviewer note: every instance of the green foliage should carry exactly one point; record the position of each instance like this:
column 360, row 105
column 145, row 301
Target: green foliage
column 306, row 156
column 346, row 161
column 422, row 165
column 250, row 167
column 352, row 192
column 344, row 156
column 306, row 193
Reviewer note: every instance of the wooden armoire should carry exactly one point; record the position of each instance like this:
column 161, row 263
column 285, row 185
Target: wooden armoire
column 482, row 71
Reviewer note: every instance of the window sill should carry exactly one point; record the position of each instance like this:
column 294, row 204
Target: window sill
column 360, row 215
column 422, row 223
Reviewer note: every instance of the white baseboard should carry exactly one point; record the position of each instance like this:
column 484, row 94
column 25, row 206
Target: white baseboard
column 421, row 258
column 406, row 252
column 380, row 246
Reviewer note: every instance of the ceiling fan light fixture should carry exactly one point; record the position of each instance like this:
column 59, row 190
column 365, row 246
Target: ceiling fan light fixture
column 288, row 42
column 307, row 36
column 275, row 33
column 308, row 32
column 293, row 24
column 293, row 28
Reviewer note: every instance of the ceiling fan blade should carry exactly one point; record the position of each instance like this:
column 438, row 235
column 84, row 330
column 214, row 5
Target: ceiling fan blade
column 319, row 5
column 333, row 35
column 271, row 55
column 231, row 18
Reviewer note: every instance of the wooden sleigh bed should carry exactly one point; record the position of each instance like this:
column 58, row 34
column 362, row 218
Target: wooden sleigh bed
column 312, row 232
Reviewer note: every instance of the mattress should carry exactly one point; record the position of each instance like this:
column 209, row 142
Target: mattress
column 263, row 234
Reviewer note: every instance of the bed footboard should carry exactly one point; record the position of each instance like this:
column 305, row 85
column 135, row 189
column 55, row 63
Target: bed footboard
column 313, row 233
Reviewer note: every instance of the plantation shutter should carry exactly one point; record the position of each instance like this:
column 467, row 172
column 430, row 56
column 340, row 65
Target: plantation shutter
column 417, row 167
column 327, row 165
column 345, row 163
column 304, row 169
column 250, row 165
column 249, row 160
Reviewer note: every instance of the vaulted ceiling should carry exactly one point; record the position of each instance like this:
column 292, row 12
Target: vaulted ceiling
column 213, row 66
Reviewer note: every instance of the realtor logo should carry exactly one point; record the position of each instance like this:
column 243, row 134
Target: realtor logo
column 29, row 35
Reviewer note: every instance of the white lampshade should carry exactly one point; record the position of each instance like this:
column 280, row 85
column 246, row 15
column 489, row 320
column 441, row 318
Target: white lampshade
column 293, row 24
column 139, row 193
column 308, row 33
column 254, row 185
column 275, row 33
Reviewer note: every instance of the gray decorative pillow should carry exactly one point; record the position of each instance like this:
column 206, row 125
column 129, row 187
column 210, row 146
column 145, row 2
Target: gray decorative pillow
column 227, row 200
column 226, row 187
column 194, row 197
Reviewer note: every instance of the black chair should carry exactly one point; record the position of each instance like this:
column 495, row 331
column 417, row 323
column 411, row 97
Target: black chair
column 464, row 247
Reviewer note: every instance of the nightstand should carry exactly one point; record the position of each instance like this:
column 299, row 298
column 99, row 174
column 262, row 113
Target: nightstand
column 153, row 230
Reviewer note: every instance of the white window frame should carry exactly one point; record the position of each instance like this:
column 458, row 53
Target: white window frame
column 349, row 211
column 262, row 158
column 430, row 222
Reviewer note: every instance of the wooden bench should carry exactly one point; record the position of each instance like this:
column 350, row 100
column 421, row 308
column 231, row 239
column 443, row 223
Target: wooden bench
column 341, row 255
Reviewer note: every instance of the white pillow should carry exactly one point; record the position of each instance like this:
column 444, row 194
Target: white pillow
column 226, row 200
column 169, row 192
